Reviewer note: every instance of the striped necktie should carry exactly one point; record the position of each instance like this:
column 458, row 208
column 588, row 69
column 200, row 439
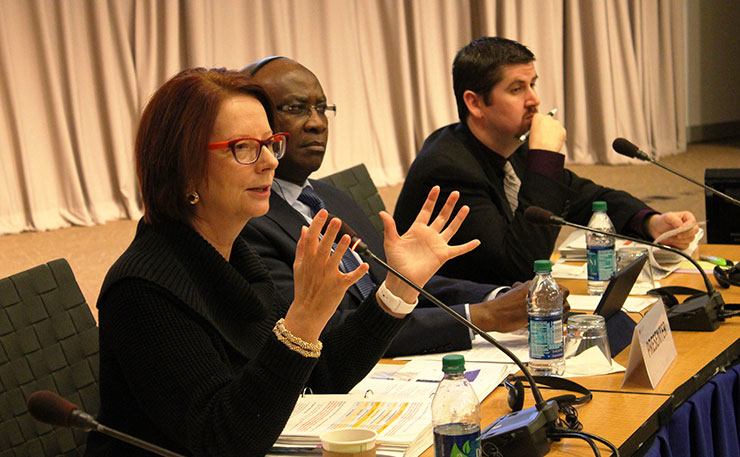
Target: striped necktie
column 511, row 186
column 349, row 261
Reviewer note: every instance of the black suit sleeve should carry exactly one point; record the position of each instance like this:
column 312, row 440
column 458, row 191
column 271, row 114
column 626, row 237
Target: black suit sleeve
column 279, row 258
column 429, row 328
column 505, row 250
column 621, row 206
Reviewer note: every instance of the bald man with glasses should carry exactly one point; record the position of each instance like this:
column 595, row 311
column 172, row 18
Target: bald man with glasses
column 304, row 113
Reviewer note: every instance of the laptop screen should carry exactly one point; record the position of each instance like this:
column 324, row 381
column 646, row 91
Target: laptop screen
column 619, row 288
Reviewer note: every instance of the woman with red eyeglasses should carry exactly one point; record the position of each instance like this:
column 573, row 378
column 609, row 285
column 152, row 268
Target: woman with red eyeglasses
column 198, row 353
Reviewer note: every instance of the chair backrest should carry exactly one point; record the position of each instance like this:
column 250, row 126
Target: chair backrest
column 48, row 341
column 357, row 183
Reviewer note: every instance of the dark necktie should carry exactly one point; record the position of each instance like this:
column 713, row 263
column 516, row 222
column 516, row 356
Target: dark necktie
column 511, row 186
column 349, row 262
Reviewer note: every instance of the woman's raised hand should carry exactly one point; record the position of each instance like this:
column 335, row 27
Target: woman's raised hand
column 319, row 284
column 421, row 251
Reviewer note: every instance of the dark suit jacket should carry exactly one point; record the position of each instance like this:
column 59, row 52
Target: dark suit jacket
column 429, row 329
column 455, row 160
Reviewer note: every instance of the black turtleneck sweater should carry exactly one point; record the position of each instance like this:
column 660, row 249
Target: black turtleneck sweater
column 188, row 360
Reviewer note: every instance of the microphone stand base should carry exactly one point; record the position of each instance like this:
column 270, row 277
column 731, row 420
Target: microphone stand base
column 697, row 314
column 521, row 433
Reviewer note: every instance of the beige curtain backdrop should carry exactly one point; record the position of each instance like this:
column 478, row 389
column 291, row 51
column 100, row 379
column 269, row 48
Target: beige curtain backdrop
column 624, row 77
column 75, row 74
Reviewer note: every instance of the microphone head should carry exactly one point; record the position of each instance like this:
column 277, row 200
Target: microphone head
column 50, row 408
column 343, row 230
column 356, row 244
column 538, row 216
column 627, row 148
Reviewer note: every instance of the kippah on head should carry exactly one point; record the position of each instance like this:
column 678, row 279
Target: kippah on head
column 254, row 67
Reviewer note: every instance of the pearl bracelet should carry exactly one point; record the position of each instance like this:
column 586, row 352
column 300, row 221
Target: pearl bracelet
column 295, row 343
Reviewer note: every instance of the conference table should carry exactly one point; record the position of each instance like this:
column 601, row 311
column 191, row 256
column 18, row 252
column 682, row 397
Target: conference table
column 630, row 416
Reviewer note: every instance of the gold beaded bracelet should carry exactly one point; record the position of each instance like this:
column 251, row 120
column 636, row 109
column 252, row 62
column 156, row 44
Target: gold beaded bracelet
column 295, row 343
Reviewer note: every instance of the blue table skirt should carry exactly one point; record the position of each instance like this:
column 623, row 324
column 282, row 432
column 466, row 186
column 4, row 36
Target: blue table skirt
column 707, row 424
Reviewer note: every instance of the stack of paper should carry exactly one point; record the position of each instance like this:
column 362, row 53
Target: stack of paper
column 574, row 248
column 394, row 400
column 404, row 425
column 663, row 261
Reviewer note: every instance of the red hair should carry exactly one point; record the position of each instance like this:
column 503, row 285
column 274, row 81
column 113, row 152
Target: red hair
column 174, row 130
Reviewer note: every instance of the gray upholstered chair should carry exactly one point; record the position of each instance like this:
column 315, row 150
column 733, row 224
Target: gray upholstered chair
column 48, row 341
column 357, row 183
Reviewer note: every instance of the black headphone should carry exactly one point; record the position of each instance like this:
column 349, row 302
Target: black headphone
column 668, row 294
column 727, row 276
column 565, row 402
column 254, row 67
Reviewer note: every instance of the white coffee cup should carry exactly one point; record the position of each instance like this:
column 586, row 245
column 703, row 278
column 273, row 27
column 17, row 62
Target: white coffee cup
column 348, row 442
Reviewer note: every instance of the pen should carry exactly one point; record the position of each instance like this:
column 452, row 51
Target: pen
column 716, row 260
column 524, row 136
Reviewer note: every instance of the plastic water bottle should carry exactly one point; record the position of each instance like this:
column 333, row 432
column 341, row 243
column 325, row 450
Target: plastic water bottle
column 545, row 308
column 455, row 412
column 602, row 261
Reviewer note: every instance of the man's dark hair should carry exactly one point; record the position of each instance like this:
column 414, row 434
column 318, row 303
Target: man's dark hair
column 479, row 66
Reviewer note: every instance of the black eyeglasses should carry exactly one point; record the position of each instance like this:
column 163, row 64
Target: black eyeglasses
column 247, row 151
column 304, row 109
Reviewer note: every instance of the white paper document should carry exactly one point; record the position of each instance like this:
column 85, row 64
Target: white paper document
column 588, row 363
column 589, row 302
column 421, row 377
column 483, row 351
column 662, row 261
column 563, row 270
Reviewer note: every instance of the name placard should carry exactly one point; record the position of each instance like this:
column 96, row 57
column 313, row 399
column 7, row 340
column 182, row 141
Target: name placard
column 652, row 350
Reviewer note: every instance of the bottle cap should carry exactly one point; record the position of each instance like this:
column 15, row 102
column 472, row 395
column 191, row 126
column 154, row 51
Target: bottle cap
column 453, row 363
column 542, row 265
column 599, row 206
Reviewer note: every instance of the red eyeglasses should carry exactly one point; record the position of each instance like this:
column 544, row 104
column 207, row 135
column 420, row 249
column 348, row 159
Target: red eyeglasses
column 247, row 151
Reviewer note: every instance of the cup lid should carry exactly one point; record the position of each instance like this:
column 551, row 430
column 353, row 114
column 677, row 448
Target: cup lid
column 348, row 440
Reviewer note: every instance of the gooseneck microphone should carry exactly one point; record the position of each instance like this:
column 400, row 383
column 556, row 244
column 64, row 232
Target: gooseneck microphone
column 629, row 149
column 361, row 248
column 699, row 313
column 52, row 409
column 521, row 431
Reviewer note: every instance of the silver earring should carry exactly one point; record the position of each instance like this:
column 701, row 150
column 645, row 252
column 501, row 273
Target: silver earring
column 193, row 197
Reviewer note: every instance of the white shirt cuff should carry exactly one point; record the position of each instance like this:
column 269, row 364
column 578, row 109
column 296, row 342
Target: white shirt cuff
column 490, row 296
